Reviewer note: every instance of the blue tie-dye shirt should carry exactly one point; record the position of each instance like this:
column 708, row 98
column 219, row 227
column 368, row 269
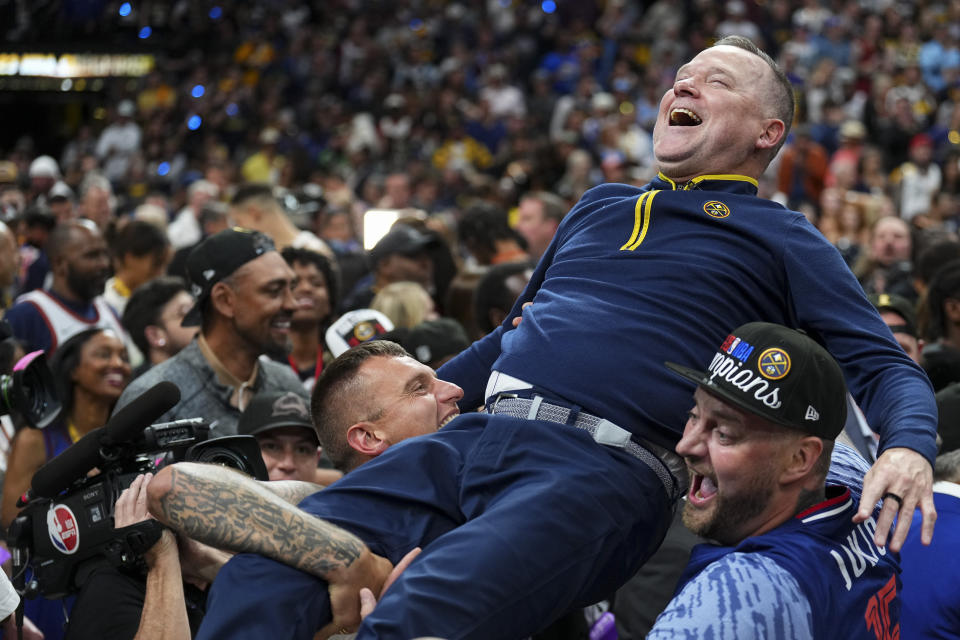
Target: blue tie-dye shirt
column 747, row 594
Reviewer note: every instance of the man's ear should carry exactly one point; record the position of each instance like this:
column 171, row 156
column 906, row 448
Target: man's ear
column 362, row 438
column 222, row 298
column 802, row 458
column 773, row 131
column 156, row 336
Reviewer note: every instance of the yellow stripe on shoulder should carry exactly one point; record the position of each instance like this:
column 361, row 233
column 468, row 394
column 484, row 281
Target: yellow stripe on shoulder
column 641, row 221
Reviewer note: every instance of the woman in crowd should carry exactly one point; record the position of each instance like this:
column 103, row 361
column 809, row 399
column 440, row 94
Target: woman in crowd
column 407, row 304
column 91, row 370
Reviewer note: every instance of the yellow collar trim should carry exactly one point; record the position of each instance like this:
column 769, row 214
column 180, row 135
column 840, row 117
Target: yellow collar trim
column 717, row 176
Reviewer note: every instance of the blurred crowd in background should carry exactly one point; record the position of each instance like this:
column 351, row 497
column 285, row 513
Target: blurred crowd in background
column 454, row 115
column 351, row 105
column 476, row 126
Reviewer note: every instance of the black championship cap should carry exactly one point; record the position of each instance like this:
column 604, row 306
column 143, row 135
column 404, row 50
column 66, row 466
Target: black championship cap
column 900, row 306
column 274, row 409
column 404, row 240
column 778, row 374
column 217, row 257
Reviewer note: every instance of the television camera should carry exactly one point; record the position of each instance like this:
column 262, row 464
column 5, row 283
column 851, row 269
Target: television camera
column 66, row 523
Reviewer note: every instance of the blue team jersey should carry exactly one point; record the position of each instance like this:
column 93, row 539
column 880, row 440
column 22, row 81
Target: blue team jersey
column 638, row 276
column 818, row 575
column 931, row 596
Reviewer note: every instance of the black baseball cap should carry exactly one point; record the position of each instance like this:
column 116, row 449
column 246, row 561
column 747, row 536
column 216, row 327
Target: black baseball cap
column 779, row 374
column 432, row 340
column 275, row 409
column 404, row 240
column 900, row 306
column 215, row 258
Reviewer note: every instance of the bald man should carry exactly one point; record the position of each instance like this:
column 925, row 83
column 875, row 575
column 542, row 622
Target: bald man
column 80, row 266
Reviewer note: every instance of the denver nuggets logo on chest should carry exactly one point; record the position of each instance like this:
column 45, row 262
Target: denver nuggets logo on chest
column 716, row 209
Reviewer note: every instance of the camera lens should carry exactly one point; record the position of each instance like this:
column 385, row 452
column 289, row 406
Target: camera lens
column 227, row 458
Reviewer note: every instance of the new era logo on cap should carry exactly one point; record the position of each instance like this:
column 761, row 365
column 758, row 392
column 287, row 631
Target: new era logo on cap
column 779, row 374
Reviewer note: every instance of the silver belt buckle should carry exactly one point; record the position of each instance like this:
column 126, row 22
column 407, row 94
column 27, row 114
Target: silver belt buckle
column 501, row 396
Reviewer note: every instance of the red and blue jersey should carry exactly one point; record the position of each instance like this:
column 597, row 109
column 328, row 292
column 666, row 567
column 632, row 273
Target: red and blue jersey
column 817, row 575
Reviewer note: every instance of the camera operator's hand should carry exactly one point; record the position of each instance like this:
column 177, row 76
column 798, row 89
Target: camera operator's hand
column 164, row 614
column 131, row 508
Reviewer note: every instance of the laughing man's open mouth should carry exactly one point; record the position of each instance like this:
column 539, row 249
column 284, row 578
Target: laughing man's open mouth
column 682, row 117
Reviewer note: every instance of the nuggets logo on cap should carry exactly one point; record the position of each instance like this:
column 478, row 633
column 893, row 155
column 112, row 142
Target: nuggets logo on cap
column 774, row 364
column 356, row 327
column 363, row 331
column 62, row 528
column 716, row 209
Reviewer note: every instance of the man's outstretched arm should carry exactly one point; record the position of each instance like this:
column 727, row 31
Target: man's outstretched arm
column 228, row 510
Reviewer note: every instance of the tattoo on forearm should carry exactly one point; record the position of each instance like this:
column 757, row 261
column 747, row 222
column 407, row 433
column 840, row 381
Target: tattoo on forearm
column 223, row 509
column 292, row 491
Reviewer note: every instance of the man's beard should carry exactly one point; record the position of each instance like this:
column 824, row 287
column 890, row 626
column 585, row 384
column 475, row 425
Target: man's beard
column 730, row 513
column 85, row 286
column 267, row 345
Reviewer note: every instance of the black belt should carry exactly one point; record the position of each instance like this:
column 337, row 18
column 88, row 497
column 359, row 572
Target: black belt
column 667, row 465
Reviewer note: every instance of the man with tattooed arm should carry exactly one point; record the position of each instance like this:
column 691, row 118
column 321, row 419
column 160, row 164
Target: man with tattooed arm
column 565, row 486
column 359, row 409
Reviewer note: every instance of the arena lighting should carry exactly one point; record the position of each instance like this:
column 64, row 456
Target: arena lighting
column 198, row 91
column 145, row 33
column 376, row 224
column 124, row 9
column 548, row 6
column 215, row 13
column 75, row 65
column 194, row 122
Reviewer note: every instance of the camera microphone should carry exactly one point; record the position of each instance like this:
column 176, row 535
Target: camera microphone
column 74, row 462
column 130, row 421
